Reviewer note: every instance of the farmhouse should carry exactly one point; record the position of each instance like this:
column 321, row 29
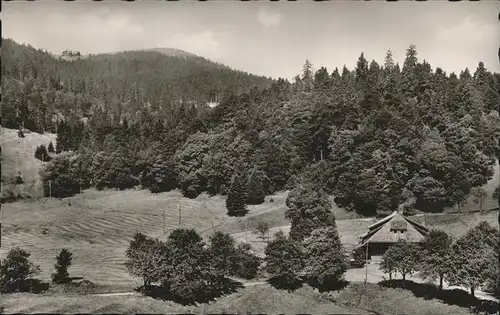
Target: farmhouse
column 382, row 234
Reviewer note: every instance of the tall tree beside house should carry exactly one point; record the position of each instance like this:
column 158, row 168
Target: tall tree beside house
column 284, row 259
column 436, row 256
column 308, row 209
column 324, row 257
column 236, row 198
column 472, row 255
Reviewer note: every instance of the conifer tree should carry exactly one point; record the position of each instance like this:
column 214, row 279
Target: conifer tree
column 324, row 257
column 255, row 187
column 236, row 198
column 308, row 76
column 63, row 262
column 51, row 147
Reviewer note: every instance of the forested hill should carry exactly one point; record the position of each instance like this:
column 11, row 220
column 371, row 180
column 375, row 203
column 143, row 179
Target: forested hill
column 378, row 137
column 39, row 88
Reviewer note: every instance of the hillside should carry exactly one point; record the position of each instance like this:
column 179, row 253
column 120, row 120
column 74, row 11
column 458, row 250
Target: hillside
column 18, row 158
column 39, row 86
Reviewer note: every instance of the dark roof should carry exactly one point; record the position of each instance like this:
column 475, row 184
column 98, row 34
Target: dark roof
column 382, row 231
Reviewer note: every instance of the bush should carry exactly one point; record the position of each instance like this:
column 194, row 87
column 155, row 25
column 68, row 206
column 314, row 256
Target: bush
column 245, row 264
column 16, row 270
column 42, row 154
column 18, row 180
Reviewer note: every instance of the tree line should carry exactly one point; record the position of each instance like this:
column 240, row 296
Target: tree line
column 376, row 137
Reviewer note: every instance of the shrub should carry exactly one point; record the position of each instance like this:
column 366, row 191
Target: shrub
column 41, row 153
column 245, row 264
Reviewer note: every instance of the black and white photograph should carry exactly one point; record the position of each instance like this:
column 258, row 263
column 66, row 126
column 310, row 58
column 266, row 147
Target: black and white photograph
column 250, row 157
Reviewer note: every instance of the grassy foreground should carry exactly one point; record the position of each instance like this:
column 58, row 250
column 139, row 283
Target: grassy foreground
column 262, row 299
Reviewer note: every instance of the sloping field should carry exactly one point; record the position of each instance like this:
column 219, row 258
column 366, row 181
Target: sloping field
column 98, row 225
column 18, row 156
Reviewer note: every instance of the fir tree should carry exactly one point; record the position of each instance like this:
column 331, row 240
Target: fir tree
column 255, row 187
column 236, row 198
column 63, row 262
column 51, row 147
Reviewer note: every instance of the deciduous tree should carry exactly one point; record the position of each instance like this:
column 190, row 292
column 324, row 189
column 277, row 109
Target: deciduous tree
column 15, row 270
column 402, row 257
column 436, row 256
column 472, row 255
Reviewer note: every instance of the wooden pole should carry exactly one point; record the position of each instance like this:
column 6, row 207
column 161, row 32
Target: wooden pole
column 50, row 189
column 246, row 231
column 366, row 265
column 179, row 213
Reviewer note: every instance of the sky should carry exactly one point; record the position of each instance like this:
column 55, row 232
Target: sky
column 267, row 38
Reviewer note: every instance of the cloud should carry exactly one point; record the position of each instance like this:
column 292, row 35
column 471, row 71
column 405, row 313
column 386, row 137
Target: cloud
column 203, row 44
column 268, row 19
column 462, row 44
column 90, row 32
